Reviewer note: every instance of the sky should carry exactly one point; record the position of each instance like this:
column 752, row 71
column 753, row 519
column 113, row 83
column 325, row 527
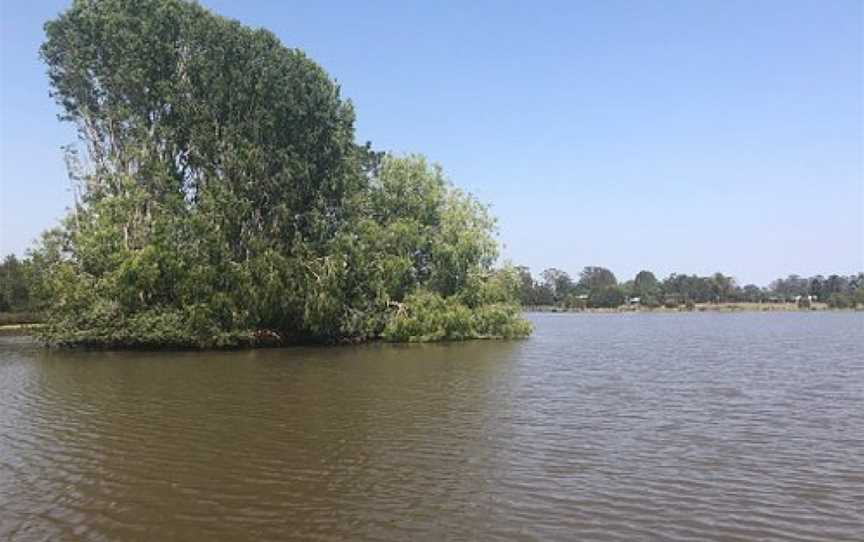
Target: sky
column 687, row 137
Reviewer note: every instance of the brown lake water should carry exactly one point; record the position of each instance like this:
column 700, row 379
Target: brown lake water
column 599, row 427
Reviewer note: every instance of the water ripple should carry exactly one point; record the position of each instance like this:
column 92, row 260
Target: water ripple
column 618, row 427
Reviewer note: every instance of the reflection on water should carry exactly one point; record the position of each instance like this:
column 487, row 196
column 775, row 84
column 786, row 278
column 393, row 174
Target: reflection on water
column 607, row 427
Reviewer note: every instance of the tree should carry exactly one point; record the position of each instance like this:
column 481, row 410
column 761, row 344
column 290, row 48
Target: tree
column 14, row 285
column 226, row 200
column 559, row 282
column 722, row 287
column 856, row 282
column 647, row 289
column 592, row 278
column 752, row 293
column 839, row 300
column 526, row 286
column 858, row 296
column 606, row 297
column 816, row 287
column 790, row 287
column 688, row 287
column 645, row 281
column 836, row 284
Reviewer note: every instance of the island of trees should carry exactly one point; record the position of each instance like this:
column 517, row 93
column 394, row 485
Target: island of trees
column 597, row 287
column 221, row 200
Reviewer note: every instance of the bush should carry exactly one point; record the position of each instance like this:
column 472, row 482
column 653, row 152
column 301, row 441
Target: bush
column 427, row 316
column 839, row 301
column 858, row 296
column 804, row 302
column 608, row 297
column 573, row 301
column 650, row 301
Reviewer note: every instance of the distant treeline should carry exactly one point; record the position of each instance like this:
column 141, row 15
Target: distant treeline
column 597, row 287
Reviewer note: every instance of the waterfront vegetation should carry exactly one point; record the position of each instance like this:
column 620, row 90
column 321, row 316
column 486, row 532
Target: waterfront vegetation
column 221, row 200
column 598, row 288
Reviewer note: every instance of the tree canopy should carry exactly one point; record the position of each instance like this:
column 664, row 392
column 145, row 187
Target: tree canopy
column 594, row 278
column 221, row 199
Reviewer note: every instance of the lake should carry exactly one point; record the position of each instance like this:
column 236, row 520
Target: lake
column 700, row 426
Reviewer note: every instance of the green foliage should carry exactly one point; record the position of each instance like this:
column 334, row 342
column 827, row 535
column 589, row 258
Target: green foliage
column 225, row 202
column 692, row 287
column 647, row 288
column 575, row 302
column 596, row 278
column 608, row 297
column 858, row 296
column 15, row 285
column 752, row 294
column 677, row 289
column 559, row 283
column 840, row 301
column 804, row 302
column 428, row 316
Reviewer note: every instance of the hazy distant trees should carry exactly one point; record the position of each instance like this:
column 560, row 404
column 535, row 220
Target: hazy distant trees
column 791, row 286
column 752, row 294
column 598, row 287
column 606, row 297
column 595, row 278
column 688, row 287
column 532, row 293
column 647, row 288
column 558, row 282
column 14, row 285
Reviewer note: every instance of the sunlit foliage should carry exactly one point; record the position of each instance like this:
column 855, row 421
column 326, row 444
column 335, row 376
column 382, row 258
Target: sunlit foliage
column 221, row 199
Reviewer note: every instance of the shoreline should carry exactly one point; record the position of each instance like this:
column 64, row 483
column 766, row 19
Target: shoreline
column 26, row 327
column 700, row 307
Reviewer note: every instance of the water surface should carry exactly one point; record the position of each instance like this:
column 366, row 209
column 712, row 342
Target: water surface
column 599, row 427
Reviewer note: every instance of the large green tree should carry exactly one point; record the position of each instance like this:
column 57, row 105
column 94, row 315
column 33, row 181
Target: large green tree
column 221, row 198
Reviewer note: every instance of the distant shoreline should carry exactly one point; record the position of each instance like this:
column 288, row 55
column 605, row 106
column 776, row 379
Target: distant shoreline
column 699, row 307
column 21, row 323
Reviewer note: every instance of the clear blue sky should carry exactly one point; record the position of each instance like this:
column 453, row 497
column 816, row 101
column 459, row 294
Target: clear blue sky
column 687, row 136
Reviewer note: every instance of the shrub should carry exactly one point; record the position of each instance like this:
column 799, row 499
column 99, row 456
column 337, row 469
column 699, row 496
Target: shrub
column 858, row 296
column 839, row 301
column 427, row 316
column 608, row 297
